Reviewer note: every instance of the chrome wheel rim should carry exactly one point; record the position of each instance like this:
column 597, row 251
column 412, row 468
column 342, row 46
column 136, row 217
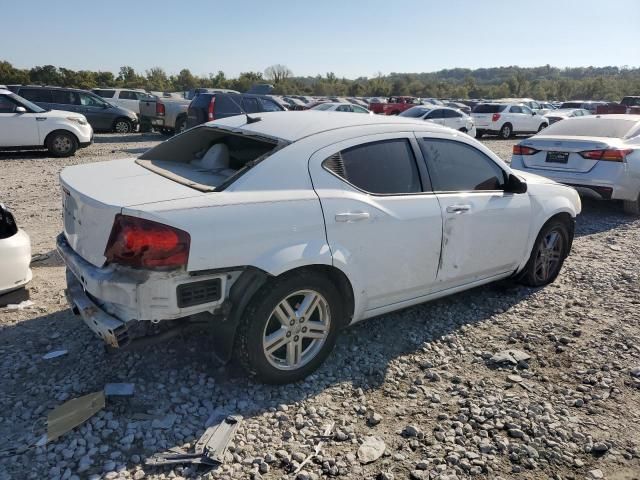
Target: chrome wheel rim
column 62, row 144
column 548, row 256
column 296, row 330
column 122, row 127
column 506, row 132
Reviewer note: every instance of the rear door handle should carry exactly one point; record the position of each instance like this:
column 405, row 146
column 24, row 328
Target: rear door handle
column 458, row 208
column 352, row 216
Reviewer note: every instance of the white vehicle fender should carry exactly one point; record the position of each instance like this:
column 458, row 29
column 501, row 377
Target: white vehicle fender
column 283, row 259
column 342, row 261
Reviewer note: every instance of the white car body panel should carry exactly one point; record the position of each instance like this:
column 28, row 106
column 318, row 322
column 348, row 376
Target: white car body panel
column 283, row 214
column 521, row 122
column 15, row 257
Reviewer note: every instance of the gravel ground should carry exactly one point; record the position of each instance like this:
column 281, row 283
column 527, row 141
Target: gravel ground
column 437, row 402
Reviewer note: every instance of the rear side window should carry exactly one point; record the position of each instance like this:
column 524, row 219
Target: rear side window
column 250, row 105
column 451, row 114
column 42, row 95
column 127, row 95
column 488, row 108
column 386, row 167
column 435, row 114
column 225, row 104
column 515, row 109
column 457, row 167
column 7, row 105
column 105, row 93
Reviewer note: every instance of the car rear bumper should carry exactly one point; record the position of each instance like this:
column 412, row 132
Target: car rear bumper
column 111, row 296
column 15, row 257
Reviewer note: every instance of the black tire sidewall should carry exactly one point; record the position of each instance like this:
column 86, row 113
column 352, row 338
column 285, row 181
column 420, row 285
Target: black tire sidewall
column 502, row 131
column 528, row 273
column 52, row 151
column 249, row 336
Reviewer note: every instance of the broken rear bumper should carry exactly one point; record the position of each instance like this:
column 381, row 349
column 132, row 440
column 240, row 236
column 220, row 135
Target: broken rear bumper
column 110, row 329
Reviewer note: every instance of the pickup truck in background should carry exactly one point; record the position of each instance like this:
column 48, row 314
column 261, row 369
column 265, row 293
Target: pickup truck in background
column 168, row 115
column 629, row 104
column 394, row 106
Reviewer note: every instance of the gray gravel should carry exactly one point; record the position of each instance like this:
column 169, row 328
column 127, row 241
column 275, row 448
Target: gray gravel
column 501, row 381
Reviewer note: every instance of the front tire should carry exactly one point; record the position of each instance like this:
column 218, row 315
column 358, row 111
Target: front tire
column 479, row 133
column 506, row 131
column 548, row 254
column 122, row 125
column 289, row 327
column 61, row 144
column 542, row 127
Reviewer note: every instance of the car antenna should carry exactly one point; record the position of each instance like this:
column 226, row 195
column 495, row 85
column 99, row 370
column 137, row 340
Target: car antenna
column 250, row 120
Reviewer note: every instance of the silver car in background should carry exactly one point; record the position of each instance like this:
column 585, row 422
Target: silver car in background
column 598, row 155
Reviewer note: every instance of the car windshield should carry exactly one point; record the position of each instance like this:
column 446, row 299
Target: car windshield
column 594, row 127
column 27, row 104
column 415, row 112
column 488, row 108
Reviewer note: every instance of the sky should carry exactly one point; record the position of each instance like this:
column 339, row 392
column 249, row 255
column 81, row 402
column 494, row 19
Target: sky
column 351, row 38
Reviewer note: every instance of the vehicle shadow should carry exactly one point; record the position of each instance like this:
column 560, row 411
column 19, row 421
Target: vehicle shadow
column 600, row 216
column 8, row 155
column 179, row 376
column 127, row 137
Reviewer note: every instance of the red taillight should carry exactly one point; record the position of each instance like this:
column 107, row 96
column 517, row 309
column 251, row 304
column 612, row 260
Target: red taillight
column 160, row 109
column 606, row 155
column 522, row 150
column 136, row 242
column 495, row 117
column 212, row 106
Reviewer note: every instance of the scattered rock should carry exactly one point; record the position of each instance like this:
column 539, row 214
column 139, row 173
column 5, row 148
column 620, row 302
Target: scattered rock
column 371, row 449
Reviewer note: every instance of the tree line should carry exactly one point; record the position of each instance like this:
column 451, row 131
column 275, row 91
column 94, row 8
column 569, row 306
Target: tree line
column 542, row 83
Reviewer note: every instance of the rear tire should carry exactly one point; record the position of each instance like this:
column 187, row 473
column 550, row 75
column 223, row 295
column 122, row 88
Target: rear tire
column 181, row 125
column 61, row 144
column 542, row 127
column 269, row 346
column 632, row 207
column 479, row 133
column 506, row 131
column 548, row 254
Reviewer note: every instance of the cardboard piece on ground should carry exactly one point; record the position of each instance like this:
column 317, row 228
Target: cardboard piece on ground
column 75, row 412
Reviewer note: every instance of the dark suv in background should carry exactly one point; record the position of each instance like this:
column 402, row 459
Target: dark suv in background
column 101, row 115
column 206, row 107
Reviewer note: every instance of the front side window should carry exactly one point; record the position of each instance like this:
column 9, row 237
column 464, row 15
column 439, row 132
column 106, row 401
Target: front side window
column 386, row 167
column 527, row 110
column 458, row 167
column 435, row 114
column 127, row 95
column 451, row 114
column 7, row 105
column 359, row 109
column 343, row 108
column 64, row 97
column 269, row 106
column 87, row 100
column 515, row 109
column 250, row 105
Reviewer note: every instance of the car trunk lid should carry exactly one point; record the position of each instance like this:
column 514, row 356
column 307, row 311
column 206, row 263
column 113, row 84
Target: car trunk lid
column 93, row 194
column 562, row 153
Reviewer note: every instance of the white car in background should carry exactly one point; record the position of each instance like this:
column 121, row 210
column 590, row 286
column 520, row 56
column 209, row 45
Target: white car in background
column 599, row 155
column 537, row 107
column 15, row 253
column 25, row 126
column 506, row 119
column 340, row 107
column 445, row 116
column 124, row 97
column 564, row 113
column 280, row 230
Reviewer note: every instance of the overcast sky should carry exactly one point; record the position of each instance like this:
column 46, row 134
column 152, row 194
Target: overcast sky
column 348, row 37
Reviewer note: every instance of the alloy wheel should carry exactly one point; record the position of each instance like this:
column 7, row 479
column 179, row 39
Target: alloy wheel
column 123, row 126
column 549, row 256
column 62, row 144
column 296, row 330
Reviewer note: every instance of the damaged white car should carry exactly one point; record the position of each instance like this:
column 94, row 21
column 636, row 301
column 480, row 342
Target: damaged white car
column 15, row 253
column 279, row 230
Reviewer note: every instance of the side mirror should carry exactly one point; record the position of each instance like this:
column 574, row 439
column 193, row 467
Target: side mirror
column 21, row 110
column 515, row 185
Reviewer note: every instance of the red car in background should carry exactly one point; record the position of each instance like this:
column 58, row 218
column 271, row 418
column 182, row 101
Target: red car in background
column 394, row 106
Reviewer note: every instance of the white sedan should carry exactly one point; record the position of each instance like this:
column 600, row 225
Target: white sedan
column 563, row 113
column 598, row 154
column 278, row 231
column 25, row 125
column 341, row 107
column 445, row 116
column 15, row 253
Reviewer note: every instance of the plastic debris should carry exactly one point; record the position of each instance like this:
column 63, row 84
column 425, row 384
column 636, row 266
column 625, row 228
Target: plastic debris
column 20, row 306
column 69, row 415
column 54, row 354
column 119, row 389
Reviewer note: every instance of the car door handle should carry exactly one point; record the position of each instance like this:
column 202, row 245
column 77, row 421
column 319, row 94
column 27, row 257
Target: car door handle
column 352, row 216
column 458, row 208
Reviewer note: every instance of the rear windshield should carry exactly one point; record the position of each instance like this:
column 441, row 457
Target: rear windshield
column 415, row 112
column 206, row 158
column 595, row 127
column 488, row 108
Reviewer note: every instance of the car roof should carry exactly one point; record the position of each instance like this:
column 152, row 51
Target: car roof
column 293, row 126
column 5, row 92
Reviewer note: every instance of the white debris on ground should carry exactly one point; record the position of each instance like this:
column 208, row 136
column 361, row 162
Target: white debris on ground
column 414, row 394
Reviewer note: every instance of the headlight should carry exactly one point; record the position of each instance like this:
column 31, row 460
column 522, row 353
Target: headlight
column 78, row 120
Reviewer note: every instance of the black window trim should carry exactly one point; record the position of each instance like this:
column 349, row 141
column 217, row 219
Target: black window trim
column 423, row 174
column 442, row 192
